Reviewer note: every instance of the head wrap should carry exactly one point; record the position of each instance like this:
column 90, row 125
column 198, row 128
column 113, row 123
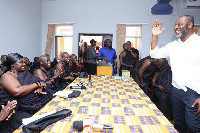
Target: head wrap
column 12, row 58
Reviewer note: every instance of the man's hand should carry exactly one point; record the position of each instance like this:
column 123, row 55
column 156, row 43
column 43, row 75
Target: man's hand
column 142, row 85
column 195, row 103
column 161, row 88
column 58, row 73
column 106, row 60
column 156, row 28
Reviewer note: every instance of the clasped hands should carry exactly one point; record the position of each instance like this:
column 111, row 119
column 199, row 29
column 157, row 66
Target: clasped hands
column 40, row 88
column 8, row 110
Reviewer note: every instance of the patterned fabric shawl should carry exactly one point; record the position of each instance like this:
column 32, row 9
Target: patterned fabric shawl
column 32, row 101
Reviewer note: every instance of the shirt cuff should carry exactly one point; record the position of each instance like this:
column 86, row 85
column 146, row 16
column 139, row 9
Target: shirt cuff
column 153, row 52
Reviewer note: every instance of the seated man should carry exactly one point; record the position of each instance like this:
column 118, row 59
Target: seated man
column 49, row 75
column 68, row 75
column 74, row 65
column 35, row 64
column 127, row 60
column 162, row 83
column 108, row 54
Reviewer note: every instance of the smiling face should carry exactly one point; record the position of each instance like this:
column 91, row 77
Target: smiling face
column 65, row 57
column 20, row 65
column 182, row 26
column 45, row 61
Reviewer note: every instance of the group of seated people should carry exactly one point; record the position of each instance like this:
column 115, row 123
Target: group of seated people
column 26, row 88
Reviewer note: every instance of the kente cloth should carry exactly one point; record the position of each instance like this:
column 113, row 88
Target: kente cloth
column 128, row 59
column 147, row 73
column 59, row 83
column 109, row 101
column 165, row 80
column 164, row 97
column 32, row 102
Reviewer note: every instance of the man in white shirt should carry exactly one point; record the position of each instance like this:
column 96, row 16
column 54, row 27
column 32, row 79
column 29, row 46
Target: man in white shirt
column 185, row 64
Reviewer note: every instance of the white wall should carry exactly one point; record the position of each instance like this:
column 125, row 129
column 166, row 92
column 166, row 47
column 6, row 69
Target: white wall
column 20, row 26
column 23, row 23
column 101, row 16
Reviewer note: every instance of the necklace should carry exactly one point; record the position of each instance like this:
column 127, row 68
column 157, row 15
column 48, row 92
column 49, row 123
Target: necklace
column 13, row 72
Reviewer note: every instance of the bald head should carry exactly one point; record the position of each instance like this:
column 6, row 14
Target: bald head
column 42, row 58
column 189, row 19
column 160, row 63
column 45, row 61
column 65, row 57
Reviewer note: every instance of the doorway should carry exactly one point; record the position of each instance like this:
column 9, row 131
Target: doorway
column 86, row 37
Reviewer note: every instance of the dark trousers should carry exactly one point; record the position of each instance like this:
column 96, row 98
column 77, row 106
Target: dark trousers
column 164, row 102
column 91, row 68
column 184, row 115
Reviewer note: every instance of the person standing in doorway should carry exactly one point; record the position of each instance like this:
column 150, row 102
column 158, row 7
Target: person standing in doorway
column 91, row 66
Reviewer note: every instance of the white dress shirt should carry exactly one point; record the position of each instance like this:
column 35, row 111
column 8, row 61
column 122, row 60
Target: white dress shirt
column 184, row 60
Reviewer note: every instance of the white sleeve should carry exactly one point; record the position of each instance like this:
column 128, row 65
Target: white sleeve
column 160, row 53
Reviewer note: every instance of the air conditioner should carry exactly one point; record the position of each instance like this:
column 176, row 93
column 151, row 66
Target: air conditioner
column 192, row 4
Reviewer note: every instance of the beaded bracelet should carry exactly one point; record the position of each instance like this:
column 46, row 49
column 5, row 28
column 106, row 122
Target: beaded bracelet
column 52, row 80
column 38, row 84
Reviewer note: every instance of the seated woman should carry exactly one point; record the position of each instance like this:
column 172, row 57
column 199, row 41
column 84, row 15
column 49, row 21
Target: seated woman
column 49, row 75
column 19, row 84
column 127, row 60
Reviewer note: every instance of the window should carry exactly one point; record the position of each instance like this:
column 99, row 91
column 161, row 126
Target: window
column 133, row 34
column 63, row 39
column 197, row 30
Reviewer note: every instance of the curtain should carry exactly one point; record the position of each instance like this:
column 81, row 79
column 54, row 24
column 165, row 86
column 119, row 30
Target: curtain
column 50, row 37
column 121, row 36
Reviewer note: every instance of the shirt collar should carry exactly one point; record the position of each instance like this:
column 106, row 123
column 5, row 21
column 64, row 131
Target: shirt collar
column 190, row 38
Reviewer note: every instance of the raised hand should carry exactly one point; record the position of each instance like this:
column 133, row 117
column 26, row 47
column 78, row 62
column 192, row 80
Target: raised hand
column 58, row 72
column 156, row 28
